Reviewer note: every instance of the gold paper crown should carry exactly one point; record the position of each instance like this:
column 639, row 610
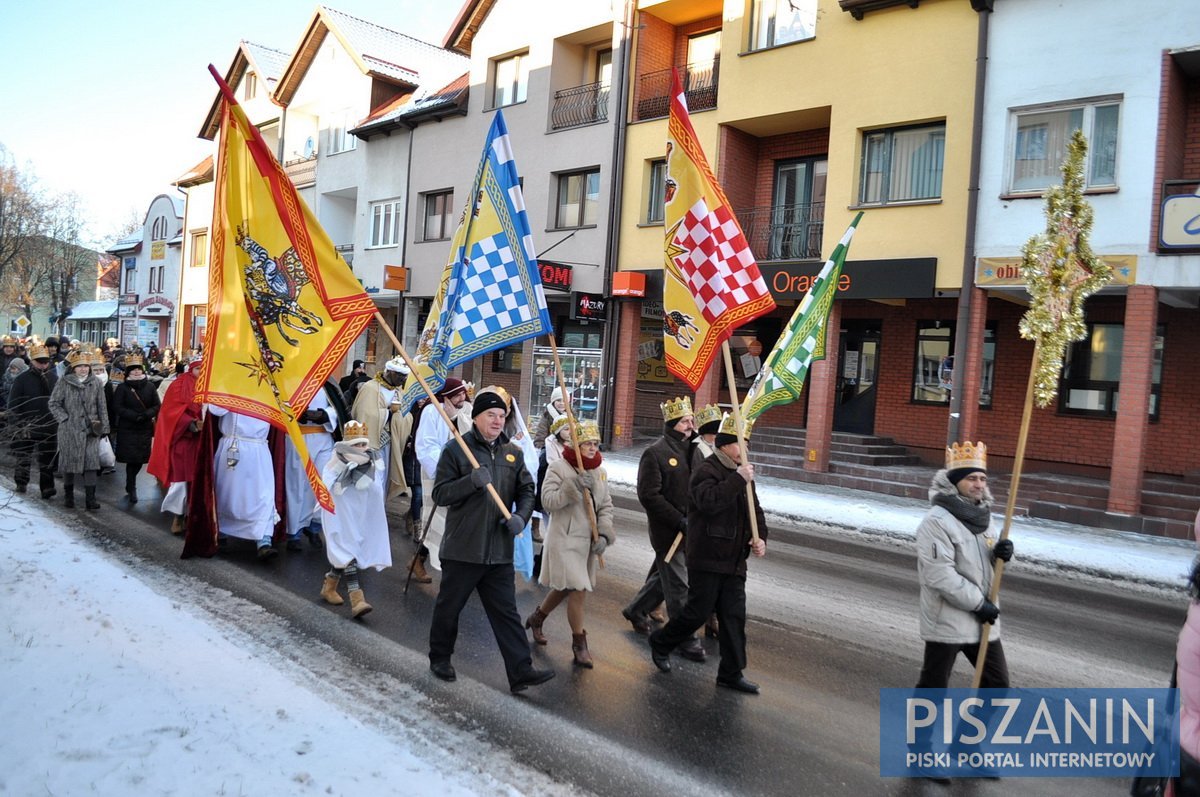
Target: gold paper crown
column 96, row 358
column 676, row 408
column 38, row 351
column 353, row 430
column 966, row 455
column 559, row 424
column 470, row 388
column 708, row 414
column 730, row 428
column 79, row 357
column 588, row 431
column 8, row 340
column 134, row 361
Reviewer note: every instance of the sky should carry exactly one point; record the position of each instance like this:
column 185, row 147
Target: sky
column 106, row 99
column 120, row 669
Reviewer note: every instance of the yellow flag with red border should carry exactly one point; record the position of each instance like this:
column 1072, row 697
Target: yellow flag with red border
column 283, row 306
column 711, row 282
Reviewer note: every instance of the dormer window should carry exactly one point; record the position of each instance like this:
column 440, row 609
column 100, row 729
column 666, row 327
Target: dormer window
column 250, row 86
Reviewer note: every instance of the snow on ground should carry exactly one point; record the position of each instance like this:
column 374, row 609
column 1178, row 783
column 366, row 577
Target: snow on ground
column 1040, row 544
column 118, row 685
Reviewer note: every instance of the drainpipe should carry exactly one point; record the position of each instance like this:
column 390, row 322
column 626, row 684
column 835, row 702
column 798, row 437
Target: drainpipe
column 613, row 328
column 966, row 291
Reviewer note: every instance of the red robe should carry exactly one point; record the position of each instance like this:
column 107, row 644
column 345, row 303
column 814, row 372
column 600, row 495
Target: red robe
column 173, row 453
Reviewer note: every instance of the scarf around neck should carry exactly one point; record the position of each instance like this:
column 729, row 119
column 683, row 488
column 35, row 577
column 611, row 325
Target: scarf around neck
column 976, row 517
column 589, row 463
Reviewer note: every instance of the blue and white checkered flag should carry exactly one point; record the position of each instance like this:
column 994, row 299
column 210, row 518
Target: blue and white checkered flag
column 491, row 293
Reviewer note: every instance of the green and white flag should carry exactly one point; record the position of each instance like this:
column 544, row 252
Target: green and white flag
column 782, row 378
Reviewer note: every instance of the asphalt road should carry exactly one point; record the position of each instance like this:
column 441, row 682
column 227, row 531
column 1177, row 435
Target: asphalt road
column 831, row 622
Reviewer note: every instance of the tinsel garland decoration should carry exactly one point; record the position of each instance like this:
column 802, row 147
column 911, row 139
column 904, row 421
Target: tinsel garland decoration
column 1060, row 272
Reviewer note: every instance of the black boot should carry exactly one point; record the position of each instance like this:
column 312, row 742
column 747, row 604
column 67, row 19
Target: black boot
column 69, row 496
column 90, row 501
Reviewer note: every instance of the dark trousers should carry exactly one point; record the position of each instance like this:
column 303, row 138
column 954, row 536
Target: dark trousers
column 723, row 593
column 412, row 475
column 44, row 451
column 131, row 473
column 940, row 658
column 497, row 593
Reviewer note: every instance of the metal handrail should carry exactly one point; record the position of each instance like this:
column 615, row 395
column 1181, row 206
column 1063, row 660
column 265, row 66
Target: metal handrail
column 700, row 81
column 784, row 232
column 581, row 105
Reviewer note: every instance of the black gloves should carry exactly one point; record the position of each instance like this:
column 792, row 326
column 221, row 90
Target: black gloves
column 514, row 525
column 682, row 527
column 986, row 612
column 481, row 477
column 1003, row 550
column 141, row 418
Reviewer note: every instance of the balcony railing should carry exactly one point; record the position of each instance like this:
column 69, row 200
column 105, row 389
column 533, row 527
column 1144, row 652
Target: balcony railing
column 302, row 171
column 699, row 86
column 784, row 232
column 581, row 105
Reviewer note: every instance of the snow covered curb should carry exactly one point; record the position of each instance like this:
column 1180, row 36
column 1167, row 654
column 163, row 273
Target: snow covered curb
column 1042, row 545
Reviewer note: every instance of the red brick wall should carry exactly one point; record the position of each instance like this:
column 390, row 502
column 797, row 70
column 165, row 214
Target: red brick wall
column 800, row 144
column 1173, row 444
column 655, row 50
column 1130, row 433
column 737, row 162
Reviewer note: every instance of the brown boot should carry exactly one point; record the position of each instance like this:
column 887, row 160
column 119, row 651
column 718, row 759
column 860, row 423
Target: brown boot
column 711, row 628
column 534, row 624
column 580, row 649
column 419, row 574
column 177, row 526
column 358, row 604
column 329, row 591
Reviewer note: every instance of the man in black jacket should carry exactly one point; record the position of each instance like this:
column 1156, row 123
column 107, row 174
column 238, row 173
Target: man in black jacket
column 33, row 427
column 718, row 542
column 477, row 548
column 664, row 473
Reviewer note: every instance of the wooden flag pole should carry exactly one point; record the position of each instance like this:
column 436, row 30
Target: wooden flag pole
column 1010, row 506
column 412, row 367
column 587, row 494
column 741, row 435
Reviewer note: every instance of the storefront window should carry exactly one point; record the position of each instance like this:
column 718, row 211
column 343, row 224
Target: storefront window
column 581, row 372
column 933, row 370
column 1091, row 376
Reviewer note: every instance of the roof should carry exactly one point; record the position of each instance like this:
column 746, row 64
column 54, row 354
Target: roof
column 92, row 311
column 377, row 51
column 464, row 27
column 413, row 108
column 267, row 62
column 202, row 172
column 130, row 243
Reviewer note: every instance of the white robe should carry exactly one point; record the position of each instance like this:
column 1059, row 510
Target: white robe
column 245, row 493
column 432, row 436
column 357, row 529
column 301, row 501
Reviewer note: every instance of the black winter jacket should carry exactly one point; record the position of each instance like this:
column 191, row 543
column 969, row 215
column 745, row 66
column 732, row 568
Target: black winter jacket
column 718, row 539
column 29, row 405
column 475, row 529
column 136, row 406
column 664, row 473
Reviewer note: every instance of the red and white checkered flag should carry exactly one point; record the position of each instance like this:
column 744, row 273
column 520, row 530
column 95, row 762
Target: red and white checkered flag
column 717, row 265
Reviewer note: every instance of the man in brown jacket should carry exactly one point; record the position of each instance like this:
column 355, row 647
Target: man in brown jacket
column 664, row 473
column 718, row 542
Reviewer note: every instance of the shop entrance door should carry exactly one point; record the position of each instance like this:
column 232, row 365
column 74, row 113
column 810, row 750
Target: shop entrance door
column 858, row 365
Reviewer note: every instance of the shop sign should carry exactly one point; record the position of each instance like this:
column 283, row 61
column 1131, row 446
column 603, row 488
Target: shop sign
column 1003, row 272
column 900, row 278
column 588, row 307
column 1180, row 222
column 555, row 276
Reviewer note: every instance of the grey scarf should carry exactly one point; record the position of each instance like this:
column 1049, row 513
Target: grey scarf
column 976, row 517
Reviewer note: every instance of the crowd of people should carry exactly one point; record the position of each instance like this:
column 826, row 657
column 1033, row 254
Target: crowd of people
column 481, row 487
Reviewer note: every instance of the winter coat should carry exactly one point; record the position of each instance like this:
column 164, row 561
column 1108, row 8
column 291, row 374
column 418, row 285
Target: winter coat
column 74, row 405
column 29, row 405
column 664, row 475
column 567, row 559
column 136, row 406
column 371, row 407
column 954, row 567
column 475, row 530
column 718, row 538
column 1187, row 657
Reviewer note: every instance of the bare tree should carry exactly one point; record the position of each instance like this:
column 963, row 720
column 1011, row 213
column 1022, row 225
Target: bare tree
column 68, row 269
column 22, row 211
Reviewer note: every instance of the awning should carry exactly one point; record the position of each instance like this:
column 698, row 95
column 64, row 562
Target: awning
column 94, row 311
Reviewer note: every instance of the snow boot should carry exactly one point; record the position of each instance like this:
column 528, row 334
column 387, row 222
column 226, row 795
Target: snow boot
column 69, row 496
column 579, row 647
column 89, row 499
column 534, row 624
column 329, row 591
column 358, row 604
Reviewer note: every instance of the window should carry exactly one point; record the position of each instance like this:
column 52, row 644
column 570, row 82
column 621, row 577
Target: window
column 776, row 22
column 1091, row 380
column 437, row 216
column 385, row 223
column 933, row 370
column 902, row 165
column 578, row 199
column 1041, row 138
column 655, row 212
column 129, row 276
column 340, row 139
column 510, row 79
column 251, row 86
column 199, row 249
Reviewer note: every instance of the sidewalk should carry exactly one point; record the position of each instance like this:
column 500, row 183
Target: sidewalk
column 1136, row 559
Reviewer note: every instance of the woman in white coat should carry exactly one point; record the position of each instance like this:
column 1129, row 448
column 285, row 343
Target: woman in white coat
column 569, row 554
